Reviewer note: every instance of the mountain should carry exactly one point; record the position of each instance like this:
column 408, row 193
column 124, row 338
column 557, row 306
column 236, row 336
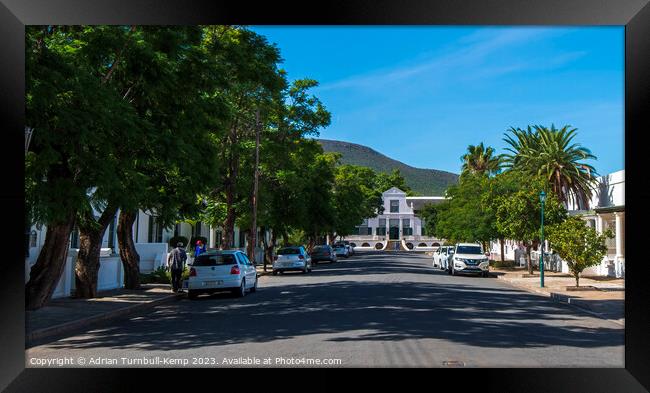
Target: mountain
column 429, row 182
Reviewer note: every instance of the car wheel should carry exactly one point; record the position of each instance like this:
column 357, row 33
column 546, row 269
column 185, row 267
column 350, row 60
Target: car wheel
column 241, row 291
column 192, row 294
column 254, row 288
column 275, row 272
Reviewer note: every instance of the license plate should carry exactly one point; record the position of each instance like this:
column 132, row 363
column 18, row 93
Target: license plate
column 212, row 283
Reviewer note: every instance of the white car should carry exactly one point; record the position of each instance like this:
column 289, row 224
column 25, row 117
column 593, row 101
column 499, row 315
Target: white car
column 469, row 258
column 442, row 256
column 291, row 259
column 215, row 271
column 341, row 249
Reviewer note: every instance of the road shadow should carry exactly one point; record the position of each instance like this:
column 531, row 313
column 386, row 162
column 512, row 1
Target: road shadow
column 355, row 311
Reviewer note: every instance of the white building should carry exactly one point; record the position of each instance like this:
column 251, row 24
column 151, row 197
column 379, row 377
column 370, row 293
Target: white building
column 605, row 210
column 399, row 223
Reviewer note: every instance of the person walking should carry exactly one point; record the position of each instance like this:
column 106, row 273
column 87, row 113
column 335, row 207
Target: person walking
column 176, row 264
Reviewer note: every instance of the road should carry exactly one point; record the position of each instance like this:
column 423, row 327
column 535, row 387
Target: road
column 373, row 310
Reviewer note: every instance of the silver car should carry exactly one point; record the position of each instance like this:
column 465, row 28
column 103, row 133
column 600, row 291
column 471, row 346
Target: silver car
column 291, row 259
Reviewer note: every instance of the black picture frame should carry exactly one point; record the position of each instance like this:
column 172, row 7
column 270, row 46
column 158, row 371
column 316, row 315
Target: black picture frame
column 633, row 14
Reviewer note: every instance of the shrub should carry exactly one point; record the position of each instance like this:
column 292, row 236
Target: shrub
column 174, row 240
column 502, row 264
column 162, row 276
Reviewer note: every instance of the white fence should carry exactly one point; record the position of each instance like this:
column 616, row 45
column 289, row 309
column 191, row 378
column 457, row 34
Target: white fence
column 111, row 271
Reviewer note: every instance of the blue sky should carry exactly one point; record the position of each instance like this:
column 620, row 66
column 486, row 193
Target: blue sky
column 422, row 94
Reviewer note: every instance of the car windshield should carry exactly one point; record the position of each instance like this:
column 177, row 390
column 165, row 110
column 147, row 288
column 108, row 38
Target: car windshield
column 289, row 251
column 214, row 260
column 469, row 250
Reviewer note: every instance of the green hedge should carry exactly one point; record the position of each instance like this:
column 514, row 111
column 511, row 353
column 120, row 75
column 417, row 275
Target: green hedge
column 162, row 276
column 174, row 241
column 502, row 264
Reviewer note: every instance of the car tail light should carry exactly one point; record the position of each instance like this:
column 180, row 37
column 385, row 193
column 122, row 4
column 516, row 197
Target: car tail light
column 301, row 257
column 192, row 272
column 234, row 270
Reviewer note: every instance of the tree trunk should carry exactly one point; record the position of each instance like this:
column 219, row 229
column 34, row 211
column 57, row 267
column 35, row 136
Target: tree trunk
column 502, row 250
column 91, row 234
column 268, row 250
column 46, row 272
column 577, row 276
column 128, row 253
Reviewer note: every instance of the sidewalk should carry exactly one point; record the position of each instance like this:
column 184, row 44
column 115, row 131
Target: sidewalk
column 607, row 301
column 67, row 314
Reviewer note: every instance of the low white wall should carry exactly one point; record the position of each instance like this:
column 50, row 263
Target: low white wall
column 110, row 274
column 152, row 256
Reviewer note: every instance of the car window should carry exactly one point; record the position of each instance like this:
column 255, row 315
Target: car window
column 243, row 259
column 214, row 260
column 289, row 251
column 469, row 250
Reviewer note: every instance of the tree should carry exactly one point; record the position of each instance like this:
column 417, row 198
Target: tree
column 464, row 216
column 355, row 197
column 549, row 153
column 76, row 118
column 579, row 245
column 429, row 216
column 518, row 214
column 385, row 181
column 480, row 160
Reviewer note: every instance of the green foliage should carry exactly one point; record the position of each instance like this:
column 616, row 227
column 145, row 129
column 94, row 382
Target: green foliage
column 385, row 181
column 162, row 276
column 429, row 216
column 480, row 160
column 518, row 214
column 579, row 245
column 549, row 153
column 420, row 181
column 174, row 241
column 464, row 216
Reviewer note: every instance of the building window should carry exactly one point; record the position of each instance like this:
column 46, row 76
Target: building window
column 155, row 230
column 381, row 231
column 394, row 206
column 382, row 222
column 406, row 227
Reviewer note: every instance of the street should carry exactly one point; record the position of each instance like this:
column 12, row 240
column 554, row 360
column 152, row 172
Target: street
column 373, row 310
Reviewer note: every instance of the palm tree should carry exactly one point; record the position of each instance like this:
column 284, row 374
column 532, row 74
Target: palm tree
column 480, row 160
column 548, row 152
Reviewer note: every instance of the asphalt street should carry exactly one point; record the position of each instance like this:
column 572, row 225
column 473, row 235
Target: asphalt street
column 371, row 310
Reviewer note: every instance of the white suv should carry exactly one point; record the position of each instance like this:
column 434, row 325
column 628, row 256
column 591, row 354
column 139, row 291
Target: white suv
column 469, row 258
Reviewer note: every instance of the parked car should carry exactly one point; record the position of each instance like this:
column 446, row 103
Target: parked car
column 442, row 256
column 470, row 258
column 291, row 259
column 341, row 249
column 214, row 271
column 349, row 246
column 323, row 253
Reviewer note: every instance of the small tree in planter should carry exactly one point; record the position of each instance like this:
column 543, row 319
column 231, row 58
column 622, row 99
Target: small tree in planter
column 579, row 245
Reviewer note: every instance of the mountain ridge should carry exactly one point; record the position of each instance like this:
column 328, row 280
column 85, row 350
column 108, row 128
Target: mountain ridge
column 424, row 181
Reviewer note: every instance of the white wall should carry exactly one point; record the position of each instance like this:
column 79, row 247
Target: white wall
column 152, row 255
